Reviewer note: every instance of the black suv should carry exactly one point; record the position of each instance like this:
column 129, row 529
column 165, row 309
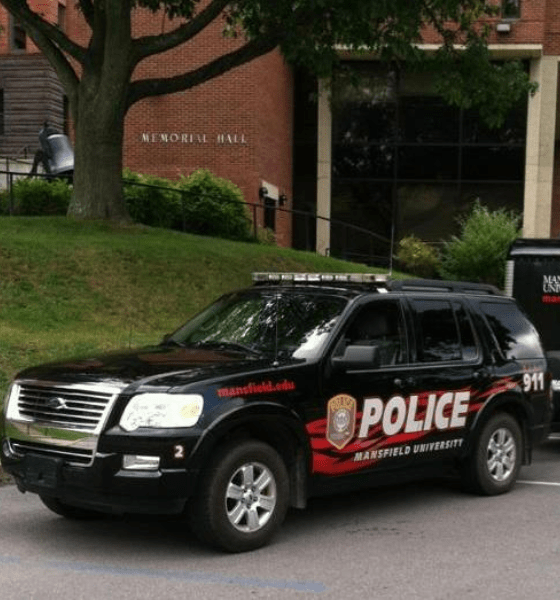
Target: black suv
column 300, row 385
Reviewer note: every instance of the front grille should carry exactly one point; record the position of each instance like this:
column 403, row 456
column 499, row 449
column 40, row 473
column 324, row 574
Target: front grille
column 61, row 420
column 74, row 408
column 72, row 456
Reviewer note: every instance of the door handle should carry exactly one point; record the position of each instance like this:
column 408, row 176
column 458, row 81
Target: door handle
column 402, row 383
column 478, row 375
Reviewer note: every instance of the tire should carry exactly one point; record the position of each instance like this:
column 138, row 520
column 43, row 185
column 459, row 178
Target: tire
column 242, row 498
column 495, row 461
column 68, row 511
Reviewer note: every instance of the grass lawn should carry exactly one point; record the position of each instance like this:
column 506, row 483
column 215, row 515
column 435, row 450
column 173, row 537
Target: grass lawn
column 69, row 288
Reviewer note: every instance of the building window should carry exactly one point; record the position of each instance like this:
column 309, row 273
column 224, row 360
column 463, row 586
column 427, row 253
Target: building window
column 61, row 16
column 406, row 163
column 2, row 129
column 511, row 9
column 18, row 37
column 270, row 213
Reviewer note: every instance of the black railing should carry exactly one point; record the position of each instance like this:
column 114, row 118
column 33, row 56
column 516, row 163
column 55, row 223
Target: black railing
column 12, row 176
column 348, row 241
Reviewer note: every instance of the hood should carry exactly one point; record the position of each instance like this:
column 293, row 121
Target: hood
column 158, row 365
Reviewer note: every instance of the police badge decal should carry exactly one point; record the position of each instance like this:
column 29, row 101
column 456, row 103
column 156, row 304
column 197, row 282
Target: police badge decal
column 341, row 420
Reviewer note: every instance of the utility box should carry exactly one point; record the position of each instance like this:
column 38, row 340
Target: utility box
column 533, row 279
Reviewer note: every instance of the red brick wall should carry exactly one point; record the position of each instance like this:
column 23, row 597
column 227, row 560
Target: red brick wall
column 531, row 28
column 238, row 125
column 4, row 23
column 47, row 8
column 253, row 102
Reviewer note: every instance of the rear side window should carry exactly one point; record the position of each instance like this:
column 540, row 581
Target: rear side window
column 438, row 339
column 445, row 332
column 469, row 346
column 514, row 333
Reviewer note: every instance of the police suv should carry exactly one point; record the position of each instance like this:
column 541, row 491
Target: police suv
column 301, row 385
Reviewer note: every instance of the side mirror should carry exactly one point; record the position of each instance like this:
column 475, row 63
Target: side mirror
column 358, row 357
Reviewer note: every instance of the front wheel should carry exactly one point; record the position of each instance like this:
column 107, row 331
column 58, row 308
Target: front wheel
column 496, row 457
column 243, row 497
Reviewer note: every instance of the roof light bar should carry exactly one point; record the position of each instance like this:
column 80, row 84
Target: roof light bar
column 319, row 277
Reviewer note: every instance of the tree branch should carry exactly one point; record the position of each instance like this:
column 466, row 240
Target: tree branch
column 32, row 22
column 86, row 6
column 63, row 68
column 149, row 45
column 156, row 87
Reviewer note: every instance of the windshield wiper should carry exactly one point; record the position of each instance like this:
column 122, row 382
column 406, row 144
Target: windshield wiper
column 225, row 345
column 171, row 342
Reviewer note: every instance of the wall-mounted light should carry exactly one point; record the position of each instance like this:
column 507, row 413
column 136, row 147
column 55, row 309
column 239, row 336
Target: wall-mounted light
column 282, row 199
column 263, row 192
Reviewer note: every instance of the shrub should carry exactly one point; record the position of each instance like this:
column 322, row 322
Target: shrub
column 266, row 236
column 151, row 200
column 4, row 202
column 214, row 206
column 201, row 203
column 479, row 253
column 38, row 196
column 418, row 258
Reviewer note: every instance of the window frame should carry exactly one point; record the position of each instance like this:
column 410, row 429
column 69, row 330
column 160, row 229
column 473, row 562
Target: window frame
column 454, row 303
column 14, row 28
column 61, row 16
column 2, row 109
column 496, row 345
column 403, row 311
column 507, row 6
column 362, row 158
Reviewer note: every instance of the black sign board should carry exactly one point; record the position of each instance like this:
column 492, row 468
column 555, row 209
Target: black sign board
column 534, row 281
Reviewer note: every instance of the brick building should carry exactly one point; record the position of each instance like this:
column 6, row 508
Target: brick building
column 389, row 157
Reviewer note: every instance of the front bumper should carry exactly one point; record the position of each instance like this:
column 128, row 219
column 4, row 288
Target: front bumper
column 104, row 485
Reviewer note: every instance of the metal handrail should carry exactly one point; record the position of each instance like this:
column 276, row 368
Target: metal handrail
column 373, row 239
column 346, row 254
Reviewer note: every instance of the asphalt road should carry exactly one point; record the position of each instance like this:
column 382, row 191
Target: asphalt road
column 421, row 541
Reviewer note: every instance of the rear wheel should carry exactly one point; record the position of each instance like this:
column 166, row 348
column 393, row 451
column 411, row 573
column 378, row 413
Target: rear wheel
column 496, row 458
column 68, row 511
column 243, row 497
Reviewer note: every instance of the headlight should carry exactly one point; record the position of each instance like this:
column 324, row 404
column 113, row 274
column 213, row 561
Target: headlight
column 10, row 402
column 162, row 410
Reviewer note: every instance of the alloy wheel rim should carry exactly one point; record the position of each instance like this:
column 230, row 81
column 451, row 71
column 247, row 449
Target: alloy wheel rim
column 250, row 497
column 501, row 454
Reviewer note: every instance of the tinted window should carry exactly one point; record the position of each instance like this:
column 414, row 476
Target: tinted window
column 379, row 324
column 516, row 336
column 469, row 347
column 438, row 334
column 290, row 324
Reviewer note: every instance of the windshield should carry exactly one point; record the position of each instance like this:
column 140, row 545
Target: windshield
column 293, row 325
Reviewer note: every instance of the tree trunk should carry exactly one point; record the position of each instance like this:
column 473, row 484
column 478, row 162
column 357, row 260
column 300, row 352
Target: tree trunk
column 98, row 161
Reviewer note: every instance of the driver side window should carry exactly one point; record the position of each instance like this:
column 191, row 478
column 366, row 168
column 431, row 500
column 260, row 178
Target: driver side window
column 380, row 324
